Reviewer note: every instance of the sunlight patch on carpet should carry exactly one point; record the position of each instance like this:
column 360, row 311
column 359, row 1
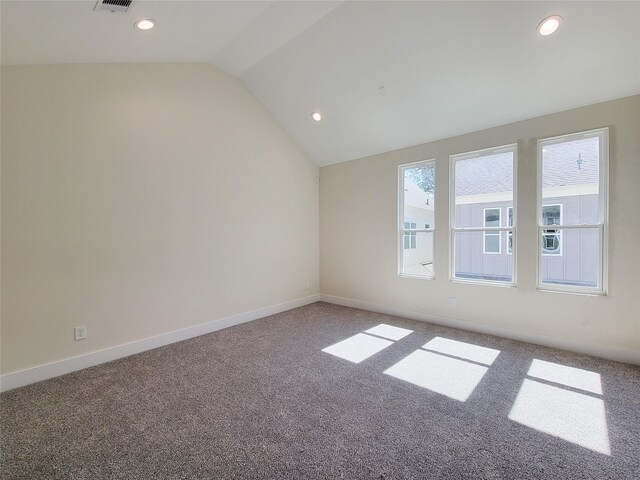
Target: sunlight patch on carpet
column 464, row 350
column 568, row 415
column 389, row 331
column 358, row 348
column 569, row 376
column 444, row 375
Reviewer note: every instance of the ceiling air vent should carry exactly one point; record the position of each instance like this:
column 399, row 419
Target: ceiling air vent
column 114, row 5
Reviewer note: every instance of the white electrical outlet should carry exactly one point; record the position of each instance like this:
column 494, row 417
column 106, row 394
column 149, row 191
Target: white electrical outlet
column 80, row 333
column 306, row 284
column 453, row 302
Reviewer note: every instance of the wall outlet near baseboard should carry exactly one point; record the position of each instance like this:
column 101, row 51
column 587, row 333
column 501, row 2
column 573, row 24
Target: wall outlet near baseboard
column 453, row 302
column 306, row 284
column 80, row 333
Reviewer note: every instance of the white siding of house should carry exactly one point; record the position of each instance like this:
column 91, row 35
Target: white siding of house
column 576, row 263
column 423, row 253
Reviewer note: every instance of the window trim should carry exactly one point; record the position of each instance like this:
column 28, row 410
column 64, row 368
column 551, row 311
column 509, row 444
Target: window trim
column 603, row 213
column 513, row 147
column 485, row 233
column 400, row 221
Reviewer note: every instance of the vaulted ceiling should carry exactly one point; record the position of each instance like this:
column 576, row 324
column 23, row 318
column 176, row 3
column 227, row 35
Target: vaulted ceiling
column 447, row 67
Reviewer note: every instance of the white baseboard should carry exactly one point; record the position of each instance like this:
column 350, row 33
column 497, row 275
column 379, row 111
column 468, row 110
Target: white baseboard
column 618, row 354
column 20, row 378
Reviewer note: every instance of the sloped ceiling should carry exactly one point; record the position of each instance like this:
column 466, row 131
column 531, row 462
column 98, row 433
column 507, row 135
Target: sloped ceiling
column 447, row 67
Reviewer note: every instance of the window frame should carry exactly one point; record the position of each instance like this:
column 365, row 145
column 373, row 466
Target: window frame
column 494, row 234
column 400, row 222
column 513, row 147
column 603, row 213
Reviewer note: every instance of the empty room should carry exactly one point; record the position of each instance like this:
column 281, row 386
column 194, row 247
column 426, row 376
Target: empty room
column 319, row 240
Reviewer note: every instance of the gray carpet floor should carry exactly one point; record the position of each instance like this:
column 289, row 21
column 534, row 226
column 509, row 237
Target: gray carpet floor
column 262, row 400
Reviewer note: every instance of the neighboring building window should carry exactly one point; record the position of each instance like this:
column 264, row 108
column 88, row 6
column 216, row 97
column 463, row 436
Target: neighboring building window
column 416, row 188
column 551, row 243
column 410, row 238
column 482, row 184
column 572, row 197
column 510, row 234
column 491, row 240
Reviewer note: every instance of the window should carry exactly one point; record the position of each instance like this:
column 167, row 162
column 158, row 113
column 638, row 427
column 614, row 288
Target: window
column 491, row 241
column 410, row 238
column 482, row 185
column 416, row 186
column 572, row 197
column 551, row 215
column 510, row 234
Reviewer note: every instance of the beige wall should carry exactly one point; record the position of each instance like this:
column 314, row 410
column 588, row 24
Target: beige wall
column 141, row 199
column 359, row 199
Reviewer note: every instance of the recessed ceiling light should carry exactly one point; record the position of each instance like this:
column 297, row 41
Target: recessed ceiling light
column 145, row 24
column 549, row 25
column 316, row 116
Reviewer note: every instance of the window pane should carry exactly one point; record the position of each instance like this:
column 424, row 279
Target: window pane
column 492, row 217
column 419, row 259
column 552, row 215
column 491, row 243
column 470, row 262
column 578, row 263
column 570, row 177
column 419, row 191
column 482, row 182
column 551, row 242
column 406, row 241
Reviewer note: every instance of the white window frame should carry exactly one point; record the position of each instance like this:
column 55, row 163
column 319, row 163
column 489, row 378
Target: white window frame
column 402, row 231
column 498, row 234
column 558, row 231
column 603, row 214
column 513, row 147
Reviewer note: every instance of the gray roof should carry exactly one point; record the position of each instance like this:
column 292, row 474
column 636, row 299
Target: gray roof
column 494, row 173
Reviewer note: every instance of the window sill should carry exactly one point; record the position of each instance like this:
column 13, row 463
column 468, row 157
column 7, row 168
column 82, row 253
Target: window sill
column 582, row 292
column 486, row 283
column 417, row 277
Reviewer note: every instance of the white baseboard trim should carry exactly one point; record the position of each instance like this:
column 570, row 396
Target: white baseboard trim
column 20, row 378
column 618, row 354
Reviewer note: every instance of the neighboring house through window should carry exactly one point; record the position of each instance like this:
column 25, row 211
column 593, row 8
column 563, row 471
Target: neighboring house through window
column 491, row 242
column 410, row 238
column 510, row 234
column 551, row 243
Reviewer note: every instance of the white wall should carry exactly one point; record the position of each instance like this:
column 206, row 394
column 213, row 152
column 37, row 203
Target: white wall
column 359, row 199
column 141, row 199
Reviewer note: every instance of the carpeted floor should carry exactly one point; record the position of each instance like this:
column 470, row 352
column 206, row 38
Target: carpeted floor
column 262, row 400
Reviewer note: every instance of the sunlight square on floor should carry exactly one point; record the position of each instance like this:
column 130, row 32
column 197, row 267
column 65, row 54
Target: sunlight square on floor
column 358, row 347
column 571, row 416
column 444, row 375
column 389, row 331
column 569, row 376
column 468, row 351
